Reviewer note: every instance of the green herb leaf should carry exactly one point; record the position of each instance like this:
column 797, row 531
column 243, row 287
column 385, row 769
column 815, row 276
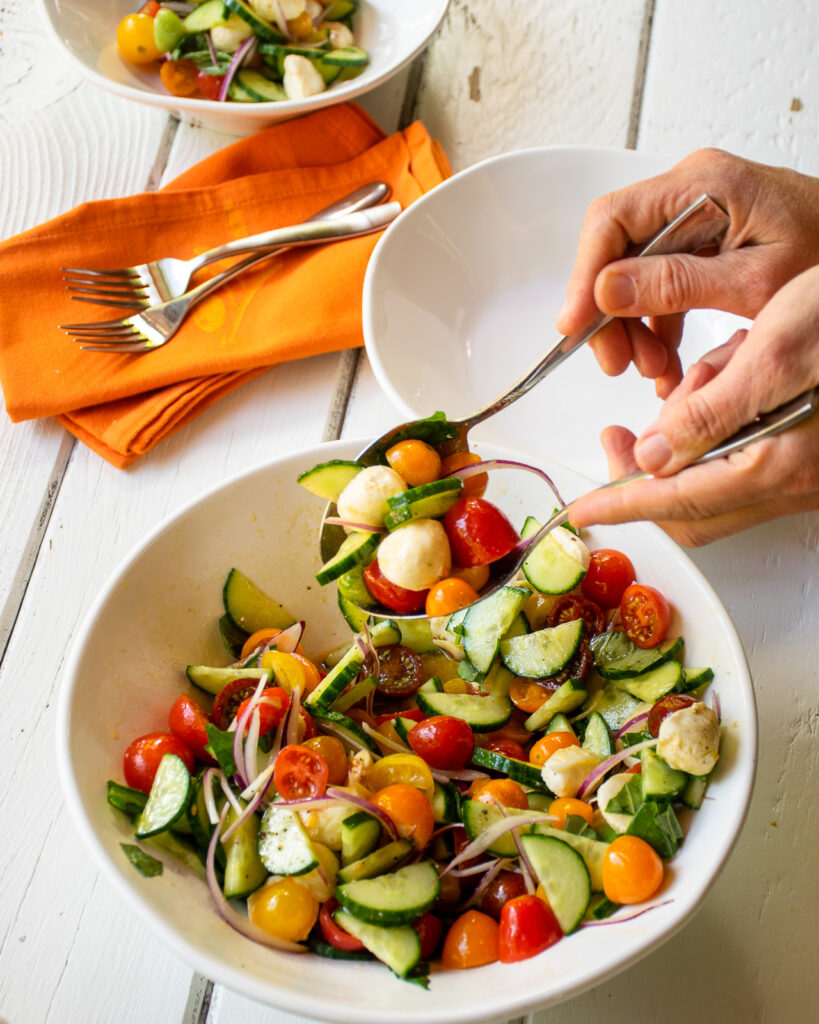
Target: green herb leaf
column 220, row 745
column 144, row 863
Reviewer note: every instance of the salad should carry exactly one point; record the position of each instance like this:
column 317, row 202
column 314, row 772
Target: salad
column 247, row 51
column 460, row 789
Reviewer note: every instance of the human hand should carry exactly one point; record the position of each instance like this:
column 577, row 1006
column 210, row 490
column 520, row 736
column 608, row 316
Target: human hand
column 773, row 236
column 753, row 373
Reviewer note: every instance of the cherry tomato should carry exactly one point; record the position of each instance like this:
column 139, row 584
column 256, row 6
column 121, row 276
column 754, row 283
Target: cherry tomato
column 430, row 929
column 209, row 85
column 471, row 941
column 442, row 741
column 608, row 575
column 135, row 39
column 632, row 870
column 333, row 752
column 474, row 486
column 180, row 77
column 284, row 908
column 645, row 615
column 397, row 599
column 334, row 933
column 416, row 714
column 299, row 772
column 478, row 532
column 409, row 810
column 150, row 7
column 505, row 792
column 229, row 700
column 505, row 886
column 571, row 607
column 415, row 461
column 527, row 927
column 142, row 756
column 578, row 667
column 477, row 576
column 509, row 748
column 400, row 670
column 566, row 805
column 307, row 724
column 529, row 694
column 272, row 705
column 188, row 721
column 542, row 750
column 449, row 595
column 664, row 707
column 514, row 729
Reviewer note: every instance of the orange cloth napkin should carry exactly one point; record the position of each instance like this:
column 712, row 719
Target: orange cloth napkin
column 300, row 304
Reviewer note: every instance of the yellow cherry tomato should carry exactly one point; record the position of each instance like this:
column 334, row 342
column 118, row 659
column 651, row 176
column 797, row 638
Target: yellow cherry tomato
column 409, row 810
column 566, row 805
column 284, row 909
column 135, row 39
column 403, row 769
column 287, row 670
column 474, row 486
column 632, row 870
column 476, row 576
column 415, row 461
column 333, row 752
column 547, row 745
column 449, row 595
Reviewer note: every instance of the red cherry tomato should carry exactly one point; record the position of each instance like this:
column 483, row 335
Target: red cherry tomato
column 645, row 615
column 505, row 886
column 527, row 927
column 209, row 85
column 400, row 671
column 230, row 698
column 141, row 758
column 509, row 748
column 609, row 573
column 430, row 929
column 478, row 532
column 150, row 7
column 443, row 742
column 188, row 722
column 571, row 607
column 334, row 933
column 299, row 772
column 415, row 714
column 273, row 703
column 397, row 599
column 664, row 707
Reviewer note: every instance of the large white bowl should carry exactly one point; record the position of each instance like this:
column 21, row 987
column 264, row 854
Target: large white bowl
column 462, row 292
column 158, row 613
column 85, row 30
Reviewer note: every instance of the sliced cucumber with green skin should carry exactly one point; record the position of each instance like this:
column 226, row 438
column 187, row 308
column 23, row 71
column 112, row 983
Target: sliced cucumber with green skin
column 432, row 685
column 564, row 876
column 351, row 585
column 487, row 621
column 660, row 781
column 214, row 680
column 398, row 948
column 360, row 835
column 345, row 729
column 482, row 714
column 263, row 29
column 377, row 862
column 348, row 666
column 355, row 617
column 694, row 678
column 240, row 95
column 168, row 799
column 206, row 16
column 655, row 683
column 616, row 657
column 567, row 698
column 417, row 635
column 249, row 607
column 329, row 72
column 180, row 849
column 244, row 871
column 445, row 803
column 339, row 9
column 262, row 89
column 328, row 479
column 357, row 692
column 693, row 792
column 322, row 948
column 201, row 827
column 402, row 727
column 129, row 801
column 519, row 771
column 284, row 846
column 615, row 706
column 560, row 723
column 427, row 501
column 347, row 57
column 477, row 818
column 543, row 653
column 550, row 568
column 356, row 549
column 597, row 737
column 233, row 638
column 456, row 621
column 394, row 899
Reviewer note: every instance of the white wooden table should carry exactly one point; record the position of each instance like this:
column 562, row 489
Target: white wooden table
column 659, row 75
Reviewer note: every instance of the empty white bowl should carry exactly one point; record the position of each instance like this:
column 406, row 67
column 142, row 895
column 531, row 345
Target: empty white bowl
column 85, row 30
column 158, row 613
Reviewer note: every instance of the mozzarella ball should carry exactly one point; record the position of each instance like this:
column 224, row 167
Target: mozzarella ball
column 340, row 35
column 301, row 79
column 364, row 499
column 230, row 36
column 416, row 555
column 608, row 791
column 571, row 545
column 567, row 768
column 689, row 739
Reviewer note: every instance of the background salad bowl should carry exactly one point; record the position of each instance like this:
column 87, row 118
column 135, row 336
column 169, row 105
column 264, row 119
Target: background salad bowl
column 158, row 613
column 85, row 30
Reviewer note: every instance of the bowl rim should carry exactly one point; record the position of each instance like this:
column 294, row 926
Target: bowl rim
column 306, row 1003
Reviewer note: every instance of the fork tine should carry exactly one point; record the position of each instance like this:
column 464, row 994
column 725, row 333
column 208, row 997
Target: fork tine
column 135, row 303
column 93, row 325
column 142, row 346
column 125, row 272
column 127, row 334
column 114, row 293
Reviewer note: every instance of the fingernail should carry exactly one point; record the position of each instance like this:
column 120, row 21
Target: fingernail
column 618, row 292
column 652, row 452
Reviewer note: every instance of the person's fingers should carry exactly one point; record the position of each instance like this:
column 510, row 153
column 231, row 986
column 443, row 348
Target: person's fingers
column 704, row 531
column 612, row 348
column 618, row 444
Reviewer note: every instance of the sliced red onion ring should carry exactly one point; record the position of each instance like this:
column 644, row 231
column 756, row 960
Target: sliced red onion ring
column 595, row 777
column 388, row 741
column 342, row 734
column 494, row 832
column 457, row 774
column 364, row 805
column 483, row 885
column 348, row 524
column 210, row 801
column 259, row 784
column 230, row 796
column 626, row 917
column 629, row 725
column 248, row 812
column 212, row 50
column 474, row 468
column 715, row 704
column 527, row 870
column 280, row 20
column 477, row 869
column 235, row 63
column 288, row 640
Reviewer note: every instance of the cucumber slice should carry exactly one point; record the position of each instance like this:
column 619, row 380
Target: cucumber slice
column 616, row 657
column 244, row 871
column 394, row 899
column 481, row 713
column 591, row 850
column 487, row 621
column 360, row 834
column 263, row 29
column 339, row 9
column 284, row 846
column 181, row 850
column 564, row 876
column 694, row 678
column 398, row 948
column 348, row 666
column 655, row 683
column 543, row 653
column 249, row 607
column 129, row 801
column 550, row 568
column 693, row 792
column 328, row 479
column 260, row 88
column 168, row 799
column 233, row 638
column 597, row 738
column 240, row 95
column 567, row 698
column 358, row 691
column 347, row 57
column 560, row 723
column 206, row 16
column 417, row 635
column 355, row 617
column 356, row 549
column 520, row 771
column 427, row 501
column 477, row 817
column 214, row 680
column 445, row 803
column 660, row 781
column 402, row 727
column 615, row 706
column 347, row 730
column 377, row 862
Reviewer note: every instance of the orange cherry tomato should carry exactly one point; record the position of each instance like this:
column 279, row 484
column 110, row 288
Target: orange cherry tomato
column 261, row 638
column 179, row 77
column 415, row 461
column 409, row 810
column 502, row 791
column 475, row 485
column 135, row 39
column 449, row 595
column 632, row 870
column 543, row 749
column 333, row 752
column 312, row 676
column 529, row 694
column 476, row 576
column 472, row 941
column 566, row 805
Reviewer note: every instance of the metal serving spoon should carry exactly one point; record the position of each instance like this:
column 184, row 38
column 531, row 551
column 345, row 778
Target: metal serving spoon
column 768, row 425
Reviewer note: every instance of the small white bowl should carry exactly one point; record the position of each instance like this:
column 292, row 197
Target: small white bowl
column 85, row 30
column 158, row 613
column 463, row 290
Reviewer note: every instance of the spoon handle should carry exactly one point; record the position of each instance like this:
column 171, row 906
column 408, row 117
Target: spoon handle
column 700, row 224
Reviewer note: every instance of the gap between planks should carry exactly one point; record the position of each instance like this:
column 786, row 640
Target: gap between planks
column 640, row 72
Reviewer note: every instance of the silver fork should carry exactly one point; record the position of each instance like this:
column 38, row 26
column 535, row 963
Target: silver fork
column 153, row 327
column 148, row 284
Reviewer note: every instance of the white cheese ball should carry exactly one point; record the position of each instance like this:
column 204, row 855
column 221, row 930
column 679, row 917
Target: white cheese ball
column 567, row 768
column 340, row 34
column 571, row 545
column 608, row 791
column 364, row 499
column 230, row 36
column 689, row 739
column 314, row 9
column 301, row 79
column 416, row 555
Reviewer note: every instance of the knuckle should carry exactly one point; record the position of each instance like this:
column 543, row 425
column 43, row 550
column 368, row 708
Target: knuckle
column 701, row 421
column 673, row 285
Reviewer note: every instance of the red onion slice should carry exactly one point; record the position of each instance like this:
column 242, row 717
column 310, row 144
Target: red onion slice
column 715, row 704
column 457, row 775
column 633, row 915
column 288, row 640
column 348, row 524
column 474, row 468
column 629, row 725
column 365, row 805
column 595, row 777
column 494, row 832
column 388, row 741
column 235, row 63
column 210, row 801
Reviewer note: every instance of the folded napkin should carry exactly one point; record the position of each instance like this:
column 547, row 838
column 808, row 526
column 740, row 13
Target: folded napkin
column 303, row 303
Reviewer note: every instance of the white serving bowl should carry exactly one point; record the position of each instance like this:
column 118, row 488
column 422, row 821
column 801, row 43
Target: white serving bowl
column 462, row 292
column 158, row 613
column 85, row 30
